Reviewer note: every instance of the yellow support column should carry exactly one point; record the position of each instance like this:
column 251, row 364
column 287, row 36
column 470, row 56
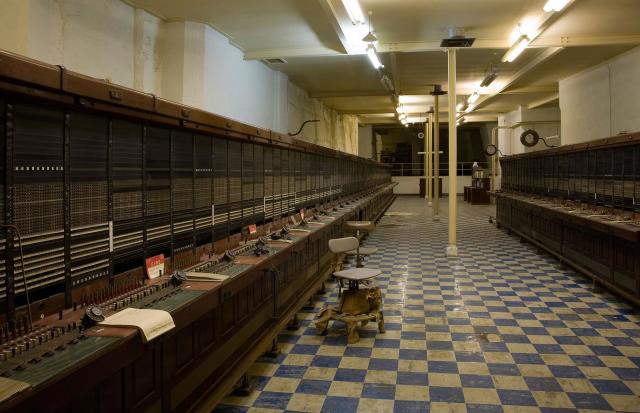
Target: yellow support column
column 452, row 248
column 436, row 158
column 427, row 158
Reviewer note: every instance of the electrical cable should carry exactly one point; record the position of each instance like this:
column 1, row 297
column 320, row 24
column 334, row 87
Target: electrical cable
column 24, row 274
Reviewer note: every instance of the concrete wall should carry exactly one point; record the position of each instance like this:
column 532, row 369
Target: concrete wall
column 188, row 62
column 334, row 130
column 366, row 142
column 602, row 101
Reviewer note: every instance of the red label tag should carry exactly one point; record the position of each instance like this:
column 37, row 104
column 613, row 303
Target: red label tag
column 253, row 229
column 155, row 266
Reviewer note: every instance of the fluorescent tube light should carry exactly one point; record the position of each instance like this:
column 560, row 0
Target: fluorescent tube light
column 354, row 10
column 488, row 79
column 373, row 57
column 473, row 98
column 387, row 83
column 555, row 5
column 517, row 48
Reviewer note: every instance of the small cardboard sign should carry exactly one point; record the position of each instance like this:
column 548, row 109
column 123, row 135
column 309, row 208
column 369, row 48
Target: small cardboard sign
column 253, row 228
column 155, row 266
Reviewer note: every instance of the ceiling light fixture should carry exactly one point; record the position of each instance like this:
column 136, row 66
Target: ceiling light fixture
column 555, row 5
column 517, row 48
column 437, row 91
column 373, row 57
column 403, row 116
column 354, row 10
column 460, row 107
column 400, row 108
column 370, row 37
column 473, row 98
column 489, row 77
column 387, row 83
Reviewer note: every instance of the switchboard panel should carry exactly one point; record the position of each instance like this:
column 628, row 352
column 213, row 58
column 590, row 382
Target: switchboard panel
column 220, row 188
column 157, row 191
column 203, row 197
column 128, row 216
column 182, row 191
column 38, row 192
column 89, row 206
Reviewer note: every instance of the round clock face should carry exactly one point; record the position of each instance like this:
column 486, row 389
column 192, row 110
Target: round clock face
column 490, row 150
column 529, row 138
column 421, row 135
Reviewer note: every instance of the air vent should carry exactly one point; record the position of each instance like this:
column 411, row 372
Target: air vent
column 275, row 61
column 457, row 42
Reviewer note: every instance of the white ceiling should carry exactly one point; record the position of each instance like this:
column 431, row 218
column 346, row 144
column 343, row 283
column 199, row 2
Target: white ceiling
column 324, row 56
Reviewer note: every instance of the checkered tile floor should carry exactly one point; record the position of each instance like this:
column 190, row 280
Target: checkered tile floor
column 501, row 329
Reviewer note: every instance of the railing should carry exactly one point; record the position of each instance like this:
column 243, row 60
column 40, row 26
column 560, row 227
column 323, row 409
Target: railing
column 417, row 169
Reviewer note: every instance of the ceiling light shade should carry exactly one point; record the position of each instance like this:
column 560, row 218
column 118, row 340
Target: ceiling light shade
column 370, row 38
column 460, row 107
column 473, row 98
column 517, row 48
column 400, row 109
column 555, row 5
column 354, row 10
column 403, row 116
column 437, row 91
column 373, row 57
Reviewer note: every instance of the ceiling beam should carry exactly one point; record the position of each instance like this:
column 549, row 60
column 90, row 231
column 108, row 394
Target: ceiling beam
column 541, row 58
column 290, row 53
column 394, row 73
column 569, row 41
column 531, row 89
column 544, row 101
column 348, row 94
column 427, row 46
column 332, row 15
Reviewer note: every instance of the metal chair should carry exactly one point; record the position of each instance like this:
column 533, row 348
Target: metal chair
column 359, row 227
column 353, row 275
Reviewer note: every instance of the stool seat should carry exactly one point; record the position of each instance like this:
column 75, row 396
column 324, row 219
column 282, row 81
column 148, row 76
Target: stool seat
column 357, row 274
column 359, row 225
column 363, row 251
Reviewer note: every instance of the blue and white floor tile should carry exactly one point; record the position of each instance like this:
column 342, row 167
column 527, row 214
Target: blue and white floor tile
column 501, row 329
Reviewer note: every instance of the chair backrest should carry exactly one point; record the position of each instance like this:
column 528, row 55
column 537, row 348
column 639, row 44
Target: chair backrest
column 338, row 245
